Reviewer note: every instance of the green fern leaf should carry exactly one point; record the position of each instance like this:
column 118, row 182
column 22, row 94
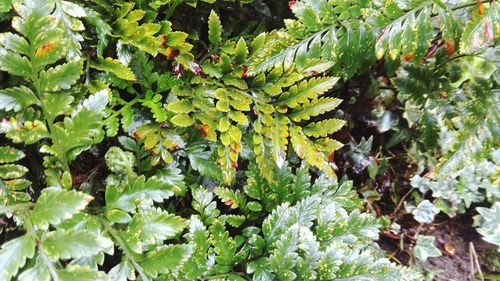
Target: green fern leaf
column 136, row 191
column 166, row 259
column 61, row 77
column 13, row 255
column 54, row 206
column 155, row 225
column 477, row 129
column 9, row 154
column 81, row 273
column 481, row 30
column 323, row 128
column 114, row 66
column 214, row 28
column 408, row 35
column 314, row 108
column 232, row 198
column 17, row 98
column 62, row 244
column 311, row 89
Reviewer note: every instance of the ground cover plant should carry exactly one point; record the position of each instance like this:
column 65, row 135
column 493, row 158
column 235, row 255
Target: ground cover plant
column 249, row 140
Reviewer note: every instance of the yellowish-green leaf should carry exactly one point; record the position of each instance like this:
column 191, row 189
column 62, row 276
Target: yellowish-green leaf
column 182, row 120
column 114, row 66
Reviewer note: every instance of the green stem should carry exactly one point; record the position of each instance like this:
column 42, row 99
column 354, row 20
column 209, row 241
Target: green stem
column 458, row 7
column 172, row 8
column 116, row 236
column 126, row 106
column 49, row 119
column 43, row 255
column 218, row 276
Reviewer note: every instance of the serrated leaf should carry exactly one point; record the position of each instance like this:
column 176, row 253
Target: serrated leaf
column 81, row 273
column 55, row 205
column 114, row 66
column 182, row 120
column 180, row 106
column 481, row 30
column 138, row 191
column 73, row 9
column 214, row 28
column 13, row 255
column 323, row 128
column 408, row 35
column 12, row 171
column 314, row 108
column 17, row 98
column 78, row 132
column 38, row 272
column 165, row 259
column 310, row 89
column 201, row 161
column 122, row 272
column 14, row 63
column 156, row 225
column 236, row 82
column 61, row 77
column 9, row 154
column 62, row 244
column 241, row 51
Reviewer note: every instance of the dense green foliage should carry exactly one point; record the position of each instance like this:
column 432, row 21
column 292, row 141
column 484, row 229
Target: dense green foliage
column 210, row 130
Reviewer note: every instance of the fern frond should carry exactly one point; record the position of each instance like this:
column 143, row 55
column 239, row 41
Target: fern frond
column 287, row 57
column 481, row 30
column 323, row 128
column 479, row 129
column 314, row 108
column 408, row 35
column 306, row 90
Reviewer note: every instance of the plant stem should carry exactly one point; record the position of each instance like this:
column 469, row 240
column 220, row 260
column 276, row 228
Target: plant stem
column 126, row 106
column 461, row 6
column 124, row 247
column 49, row 119
column 46, row 260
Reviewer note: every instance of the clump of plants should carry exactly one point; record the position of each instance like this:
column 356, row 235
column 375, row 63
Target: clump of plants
column 197, row 140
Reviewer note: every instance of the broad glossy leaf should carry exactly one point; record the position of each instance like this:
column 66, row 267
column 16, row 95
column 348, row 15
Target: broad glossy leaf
column 425, row 212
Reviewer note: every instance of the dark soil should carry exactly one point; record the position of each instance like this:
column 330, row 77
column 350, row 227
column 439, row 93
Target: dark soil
column 454, row 238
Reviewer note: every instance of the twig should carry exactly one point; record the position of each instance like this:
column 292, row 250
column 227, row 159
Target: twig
column 393, row 214
column 474, row 263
